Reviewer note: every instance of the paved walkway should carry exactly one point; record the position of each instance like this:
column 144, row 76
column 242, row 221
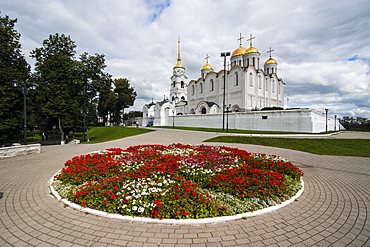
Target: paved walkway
column 334, row 210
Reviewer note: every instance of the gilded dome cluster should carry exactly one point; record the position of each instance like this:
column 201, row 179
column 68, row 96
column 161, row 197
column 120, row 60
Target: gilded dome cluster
column 242, row 51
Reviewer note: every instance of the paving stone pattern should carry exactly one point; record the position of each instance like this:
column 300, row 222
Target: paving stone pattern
column 333, row 210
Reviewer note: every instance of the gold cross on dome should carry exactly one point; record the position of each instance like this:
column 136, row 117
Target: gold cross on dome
column 270, row 51
column 250, row 39
column 206, row 58
column 240, row 39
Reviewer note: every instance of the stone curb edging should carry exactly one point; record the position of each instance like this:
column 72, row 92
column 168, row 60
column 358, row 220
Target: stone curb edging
column 12, row 151
column 173, row 221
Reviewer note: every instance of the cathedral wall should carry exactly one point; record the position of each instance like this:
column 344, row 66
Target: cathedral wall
column 298, row 120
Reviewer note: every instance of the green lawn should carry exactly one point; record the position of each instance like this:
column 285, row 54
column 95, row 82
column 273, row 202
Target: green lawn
column 340, row 147
column 103, row 134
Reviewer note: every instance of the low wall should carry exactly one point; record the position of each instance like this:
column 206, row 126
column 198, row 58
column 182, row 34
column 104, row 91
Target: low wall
column 297, row 120
column 7, row 152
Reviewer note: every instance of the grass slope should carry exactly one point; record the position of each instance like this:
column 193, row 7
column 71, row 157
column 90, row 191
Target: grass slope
column 103, row 134
column 339, row 147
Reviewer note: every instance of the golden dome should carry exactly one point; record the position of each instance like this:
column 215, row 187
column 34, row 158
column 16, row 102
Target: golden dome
column 239, row 51
column 179, row 65
column 207, row 66
column 270, row 61
column 251, row 49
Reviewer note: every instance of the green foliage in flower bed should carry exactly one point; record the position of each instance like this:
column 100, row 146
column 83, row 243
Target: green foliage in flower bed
column 177, row 181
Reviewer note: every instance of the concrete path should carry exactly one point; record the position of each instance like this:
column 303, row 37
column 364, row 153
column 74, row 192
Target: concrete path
column 334, row 210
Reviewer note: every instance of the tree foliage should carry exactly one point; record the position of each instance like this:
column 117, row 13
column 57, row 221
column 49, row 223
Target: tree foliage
column 70, row 90
column 125, row 94
column 58, row 79
column 13, row 66
column 355, row 123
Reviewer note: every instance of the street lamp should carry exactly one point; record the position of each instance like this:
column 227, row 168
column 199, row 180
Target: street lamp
column 224, row 55
column 326, row 119
column 83, row 113
column 54, row 128
column 25, row 91
column 335, row 122
column 173, row 119
column 227, row 117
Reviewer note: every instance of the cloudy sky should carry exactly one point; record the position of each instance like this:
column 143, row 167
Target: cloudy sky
column 322, row 46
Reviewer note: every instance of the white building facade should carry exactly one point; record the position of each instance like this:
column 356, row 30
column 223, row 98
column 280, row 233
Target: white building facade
column 248, row 89
column 247, row 86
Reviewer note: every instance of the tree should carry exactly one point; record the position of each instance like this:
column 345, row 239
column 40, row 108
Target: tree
column 94, row 83
column 13, row 66
column 358, row 123
column 56, row 69
column 126, row 95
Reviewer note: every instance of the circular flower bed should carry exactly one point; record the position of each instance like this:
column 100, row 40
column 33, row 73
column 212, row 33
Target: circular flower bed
column 177, row 181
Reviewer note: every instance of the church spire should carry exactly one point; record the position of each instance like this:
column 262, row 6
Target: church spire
column 178, row 65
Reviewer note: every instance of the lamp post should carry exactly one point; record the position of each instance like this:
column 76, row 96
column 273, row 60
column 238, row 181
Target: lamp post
column 335, row 122
column 54, row 128
column 224, row 55
column 25, row 92
column 326, row 120
column 173, row 119
column 227, row 117
column 83, row 113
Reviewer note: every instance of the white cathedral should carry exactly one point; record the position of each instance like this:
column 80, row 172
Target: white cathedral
column 248, row 88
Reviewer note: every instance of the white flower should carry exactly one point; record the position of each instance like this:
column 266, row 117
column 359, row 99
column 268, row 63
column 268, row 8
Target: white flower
column 134, row 208
column 140, row 210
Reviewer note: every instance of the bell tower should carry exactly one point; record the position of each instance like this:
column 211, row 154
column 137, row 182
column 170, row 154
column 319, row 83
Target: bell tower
column 178, row 91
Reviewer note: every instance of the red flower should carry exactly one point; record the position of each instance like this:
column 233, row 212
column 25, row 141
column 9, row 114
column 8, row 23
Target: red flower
column 113, row 196
column 107, row 192
column 157, row 202
column 83, row 204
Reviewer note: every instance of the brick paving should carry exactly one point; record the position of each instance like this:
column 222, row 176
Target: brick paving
column 333, row 210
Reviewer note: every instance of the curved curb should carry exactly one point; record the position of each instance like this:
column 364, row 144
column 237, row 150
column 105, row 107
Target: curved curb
column 173, row 221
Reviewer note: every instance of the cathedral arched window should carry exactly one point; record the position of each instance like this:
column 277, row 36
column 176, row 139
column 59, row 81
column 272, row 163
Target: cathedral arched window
column 273, row 86
column 174, row 83
column 272, row 70
column 268, row 71
column 259, row 81
column 182, row 98
column 236, row 79
column 182, row 84
column 254, row 61
column 251, row 79
column 267, row 84
column 173, row 98
column 212, row 85
column 200, row 88
column 247, row 62
column 203, row 110
column 193, row 89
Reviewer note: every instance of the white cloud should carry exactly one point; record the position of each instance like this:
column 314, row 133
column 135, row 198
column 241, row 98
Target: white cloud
column 314, row 41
